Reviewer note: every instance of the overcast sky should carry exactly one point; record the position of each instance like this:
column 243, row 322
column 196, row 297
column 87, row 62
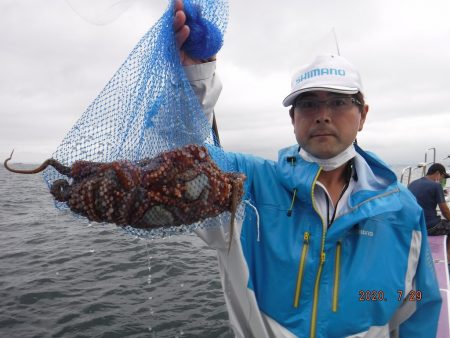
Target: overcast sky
column 53, row 63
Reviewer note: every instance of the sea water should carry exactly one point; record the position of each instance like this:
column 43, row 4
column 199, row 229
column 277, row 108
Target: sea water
column 61, row 276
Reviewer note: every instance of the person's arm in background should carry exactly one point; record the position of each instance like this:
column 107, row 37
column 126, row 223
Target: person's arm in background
column 445, row 211
column 441, row 202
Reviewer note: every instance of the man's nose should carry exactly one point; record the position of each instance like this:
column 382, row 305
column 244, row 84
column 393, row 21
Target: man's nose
column 323, row 113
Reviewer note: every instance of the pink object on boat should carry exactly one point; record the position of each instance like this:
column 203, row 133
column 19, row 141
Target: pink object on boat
column 439, row 252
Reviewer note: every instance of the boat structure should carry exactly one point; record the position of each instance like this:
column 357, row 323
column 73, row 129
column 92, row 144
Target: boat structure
column 438, row 244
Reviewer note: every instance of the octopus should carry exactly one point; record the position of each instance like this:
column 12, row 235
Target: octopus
column 177, row 187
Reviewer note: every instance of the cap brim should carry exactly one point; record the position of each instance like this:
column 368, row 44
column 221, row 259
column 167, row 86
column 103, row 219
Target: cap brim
column 289, row 100
column 446, row 175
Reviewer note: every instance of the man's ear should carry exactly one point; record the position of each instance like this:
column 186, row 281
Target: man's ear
column 364, row 112
column 291, row 114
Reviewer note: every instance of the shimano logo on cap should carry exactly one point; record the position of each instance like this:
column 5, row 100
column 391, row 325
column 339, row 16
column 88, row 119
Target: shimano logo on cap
column 320, row 72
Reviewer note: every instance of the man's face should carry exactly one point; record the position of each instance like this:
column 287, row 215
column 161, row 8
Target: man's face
column 325, row 132
column 442, row 180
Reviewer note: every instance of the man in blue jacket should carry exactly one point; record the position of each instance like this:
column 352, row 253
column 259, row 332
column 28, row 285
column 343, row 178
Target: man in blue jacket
column 331, row 244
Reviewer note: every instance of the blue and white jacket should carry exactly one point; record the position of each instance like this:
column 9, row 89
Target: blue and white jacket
column 369, row 275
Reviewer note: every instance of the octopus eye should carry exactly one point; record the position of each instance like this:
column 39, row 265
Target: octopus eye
column 59, row 190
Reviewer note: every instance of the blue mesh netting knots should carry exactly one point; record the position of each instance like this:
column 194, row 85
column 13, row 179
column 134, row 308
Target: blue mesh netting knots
column 148, row 106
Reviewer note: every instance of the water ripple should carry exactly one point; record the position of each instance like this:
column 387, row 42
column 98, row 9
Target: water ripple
column 61, row 277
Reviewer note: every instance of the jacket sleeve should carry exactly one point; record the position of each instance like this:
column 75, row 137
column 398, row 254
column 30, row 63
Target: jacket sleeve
column 206, row 86
column 423, row 321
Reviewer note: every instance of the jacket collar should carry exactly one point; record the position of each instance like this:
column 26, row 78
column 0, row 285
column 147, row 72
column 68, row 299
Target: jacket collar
column 296, row 173
column 373, row 175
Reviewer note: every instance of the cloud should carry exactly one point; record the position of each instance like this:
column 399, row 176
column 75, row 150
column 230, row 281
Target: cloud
column 54, row 63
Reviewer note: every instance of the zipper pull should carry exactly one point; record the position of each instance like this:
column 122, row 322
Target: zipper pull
column 306, row 238
column 291, row 160
column 289, row 212
column 322, row 257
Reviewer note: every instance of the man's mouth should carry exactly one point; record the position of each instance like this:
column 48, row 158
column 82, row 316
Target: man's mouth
column 322, row 133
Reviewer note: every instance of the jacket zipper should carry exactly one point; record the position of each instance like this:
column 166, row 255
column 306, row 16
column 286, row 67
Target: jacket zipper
column 322, row 262
column 316, row 296
column 301, row 268
column 337, row 272
column 323, row 256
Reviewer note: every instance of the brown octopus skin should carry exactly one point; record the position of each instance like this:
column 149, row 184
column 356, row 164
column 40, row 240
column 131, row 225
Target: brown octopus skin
column 181, row 186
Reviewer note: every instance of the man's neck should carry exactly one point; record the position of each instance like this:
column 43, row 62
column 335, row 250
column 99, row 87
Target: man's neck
column 334, row 181
column 433, row 177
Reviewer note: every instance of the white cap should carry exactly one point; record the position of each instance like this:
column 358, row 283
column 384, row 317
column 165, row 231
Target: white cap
column 331, row 73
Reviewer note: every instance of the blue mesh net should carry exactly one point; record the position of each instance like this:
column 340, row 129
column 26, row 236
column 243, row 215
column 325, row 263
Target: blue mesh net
column 149, row 106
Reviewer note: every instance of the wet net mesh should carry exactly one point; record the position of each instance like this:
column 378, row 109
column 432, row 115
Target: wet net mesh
column 148, row 106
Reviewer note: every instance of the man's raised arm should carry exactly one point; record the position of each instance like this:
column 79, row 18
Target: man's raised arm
column 200, row 73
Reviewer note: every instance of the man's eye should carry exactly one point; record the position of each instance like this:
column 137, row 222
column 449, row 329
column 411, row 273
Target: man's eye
column 338, row 102
column 307, row 104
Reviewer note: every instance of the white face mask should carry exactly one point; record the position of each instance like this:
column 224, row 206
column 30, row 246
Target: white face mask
column 330, row 163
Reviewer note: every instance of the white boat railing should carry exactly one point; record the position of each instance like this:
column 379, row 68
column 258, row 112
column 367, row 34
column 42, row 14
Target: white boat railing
column 422, row 165
column 407, row 170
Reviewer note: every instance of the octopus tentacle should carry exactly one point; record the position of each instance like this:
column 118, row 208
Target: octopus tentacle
column 124, row 208
column 62, row 169
column 88, row 192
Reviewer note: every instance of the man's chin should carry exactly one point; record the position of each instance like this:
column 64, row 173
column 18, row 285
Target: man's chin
column 323, row 154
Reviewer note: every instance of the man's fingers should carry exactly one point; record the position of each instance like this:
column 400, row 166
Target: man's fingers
column 181, row 35
column 178, row 5
column 181, row 30
column 179, row 20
